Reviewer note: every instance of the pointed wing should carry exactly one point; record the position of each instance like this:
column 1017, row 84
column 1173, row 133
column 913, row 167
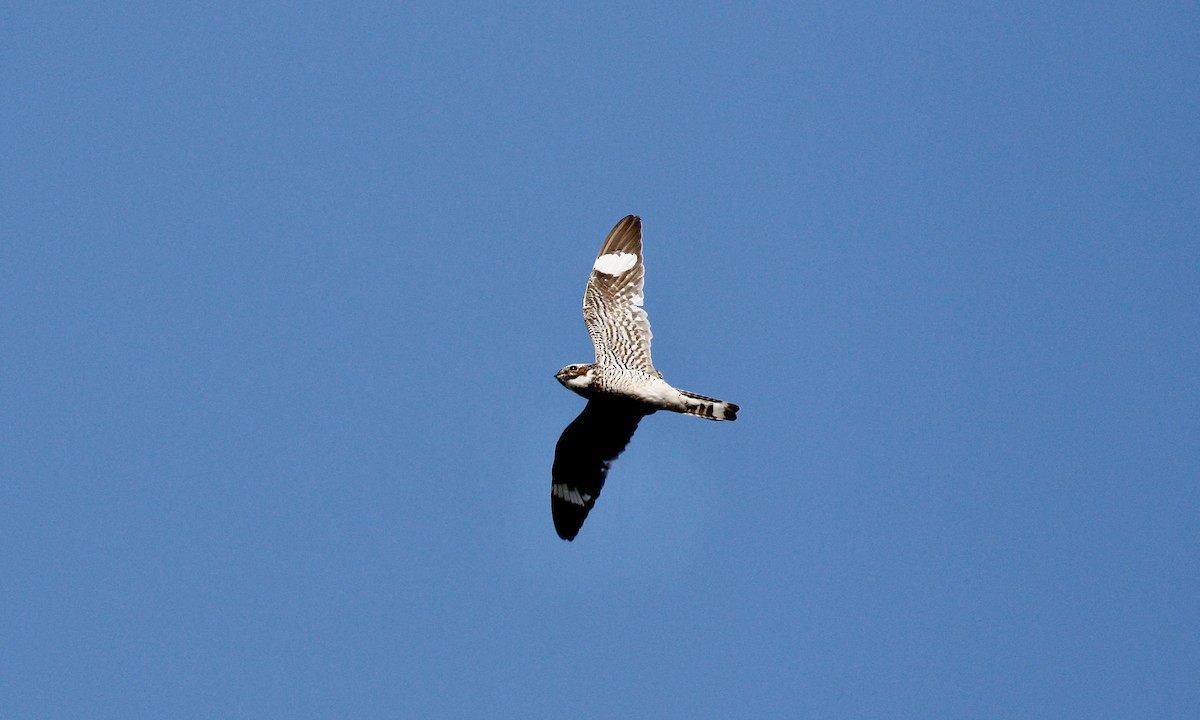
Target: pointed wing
column 612, row 303
column 582, row 457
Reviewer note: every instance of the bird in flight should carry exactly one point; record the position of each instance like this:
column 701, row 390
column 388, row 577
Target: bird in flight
column 621, row 387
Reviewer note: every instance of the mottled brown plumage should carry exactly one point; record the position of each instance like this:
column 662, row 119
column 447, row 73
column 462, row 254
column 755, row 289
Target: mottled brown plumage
column 621, row 386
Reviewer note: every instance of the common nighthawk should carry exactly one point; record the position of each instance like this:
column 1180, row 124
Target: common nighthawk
column 621, row 387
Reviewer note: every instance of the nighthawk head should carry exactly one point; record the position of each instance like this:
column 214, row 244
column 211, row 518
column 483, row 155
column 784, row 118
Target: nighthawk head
column 577, row 377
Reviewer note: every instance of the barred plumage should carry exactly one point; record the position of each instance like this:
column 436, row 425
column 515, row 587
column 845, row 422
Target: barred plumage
column 621, row 386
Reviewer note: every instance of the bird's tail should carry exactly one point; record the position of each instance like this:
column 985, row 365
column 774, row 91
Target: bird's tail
column 708, row 408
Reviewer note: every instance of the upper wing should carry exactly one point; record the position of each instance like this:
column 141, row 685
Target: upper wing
column 582, row 457
column 612, row 303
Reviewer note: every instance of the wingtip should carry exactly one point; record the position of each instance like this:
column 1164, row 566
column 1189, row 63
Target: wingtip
column 566, row 531
column 626, row 235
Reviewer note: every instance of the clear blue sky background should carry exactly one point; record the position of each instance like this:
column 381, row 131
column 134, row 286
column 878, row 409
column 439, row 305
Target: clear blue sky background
column 283, row 287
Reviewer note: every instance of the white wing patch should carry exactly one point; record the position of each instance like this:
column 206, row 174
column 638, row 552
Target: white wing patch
column 569, row 494
column 615, row 263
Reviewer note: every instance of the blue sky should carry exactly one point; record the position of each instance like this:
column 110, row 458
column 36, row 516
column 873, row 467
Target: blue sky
column 284, row 286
